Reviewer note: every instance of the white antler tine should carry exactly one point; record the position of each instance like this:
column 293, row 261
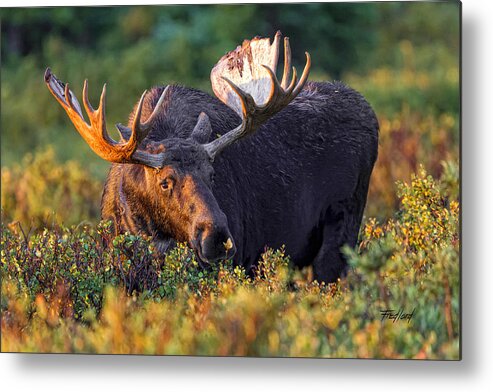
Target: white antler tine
column 287, row 64
column 304, row 75
column 157, row 108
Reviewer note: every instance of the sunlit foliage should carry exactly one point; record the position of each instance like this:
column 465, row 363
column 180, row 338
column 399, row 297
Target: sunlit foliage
column 68, row 286
column 40, row 191
column 69, row 290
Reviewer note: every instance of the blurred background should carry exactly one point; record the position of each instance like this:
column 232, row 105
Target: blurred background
column 403, row 57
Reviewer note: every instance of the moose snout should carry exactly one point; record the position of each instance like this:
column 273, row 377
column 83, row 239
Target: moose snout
column 213, row 242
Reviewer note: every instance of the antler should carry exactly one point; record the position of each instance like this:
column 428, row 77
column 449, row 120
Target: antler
column 95, row 133
column 245, row 80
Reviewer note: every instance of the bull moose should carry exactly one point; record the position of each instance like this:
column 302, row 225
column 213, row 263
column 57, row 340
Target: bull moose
column 268, row 163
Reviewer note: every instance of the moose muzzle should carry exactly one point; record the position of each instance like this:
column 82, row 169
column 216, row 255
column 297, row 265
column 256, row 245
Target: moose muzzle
column 213, row 242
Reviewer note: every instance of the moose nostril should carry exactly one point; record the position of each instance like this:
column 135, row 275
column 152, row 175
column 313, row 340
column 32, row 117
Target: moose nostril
column 200, row 228
column 198, row 233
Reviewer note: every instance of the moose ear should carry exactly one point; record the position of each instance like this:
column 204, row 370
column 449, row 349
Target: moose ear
column 203, row 129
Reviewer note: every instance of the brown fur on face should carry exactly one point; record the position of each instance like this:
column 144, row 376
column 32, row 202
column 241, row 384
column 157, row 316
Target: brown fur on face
column 176, row 201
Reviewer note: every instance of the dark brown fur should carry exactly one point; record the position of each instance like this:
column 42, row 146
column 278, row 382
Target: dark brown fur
column 300, row 181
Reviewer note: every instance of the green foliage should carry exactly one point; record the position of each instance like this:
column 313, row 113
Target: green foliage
column 76, row 289
column 413, row 82
column 410, row 61
column 70, row 290
column 407, row 140
column 40, row 191
column 427, row 217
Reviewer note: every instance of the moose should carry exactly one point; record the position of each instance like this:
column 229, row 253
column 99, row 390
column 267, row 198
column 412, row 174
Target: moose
column 265, row 164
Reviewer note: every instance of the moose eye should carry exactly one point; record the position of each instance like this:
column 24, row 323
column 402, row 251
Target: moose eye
column 167, row 183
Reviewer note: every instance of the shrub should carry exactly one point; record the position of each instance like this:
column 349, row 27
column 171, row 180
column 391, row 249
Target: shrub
column 407, row 140
column 67, row 290
column 417, row 106
column 42, row 191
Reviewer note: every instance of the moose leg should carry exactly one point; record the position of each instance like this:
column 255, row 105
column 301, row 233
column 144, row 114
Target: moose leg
column 340, row 227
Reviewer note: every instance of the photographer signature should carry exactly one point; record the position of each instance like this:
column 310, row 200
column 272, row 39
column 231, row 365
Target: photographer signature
column 391, row 314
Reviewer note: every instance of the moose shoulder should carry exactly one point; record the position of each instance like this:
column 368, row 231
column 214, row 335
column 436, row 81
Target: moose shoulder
column 268, row 164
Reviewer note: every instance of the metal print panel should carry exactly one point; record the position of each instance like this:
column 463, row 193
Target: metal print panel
column 282, row 180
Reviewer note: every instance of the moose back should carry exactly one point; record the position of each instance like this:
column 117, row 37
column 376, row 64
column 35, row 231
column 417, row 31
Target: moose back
column 269, row 163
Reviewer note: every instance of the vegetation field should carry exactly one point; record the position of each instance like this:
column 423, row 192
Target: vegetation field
column 68, row 286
